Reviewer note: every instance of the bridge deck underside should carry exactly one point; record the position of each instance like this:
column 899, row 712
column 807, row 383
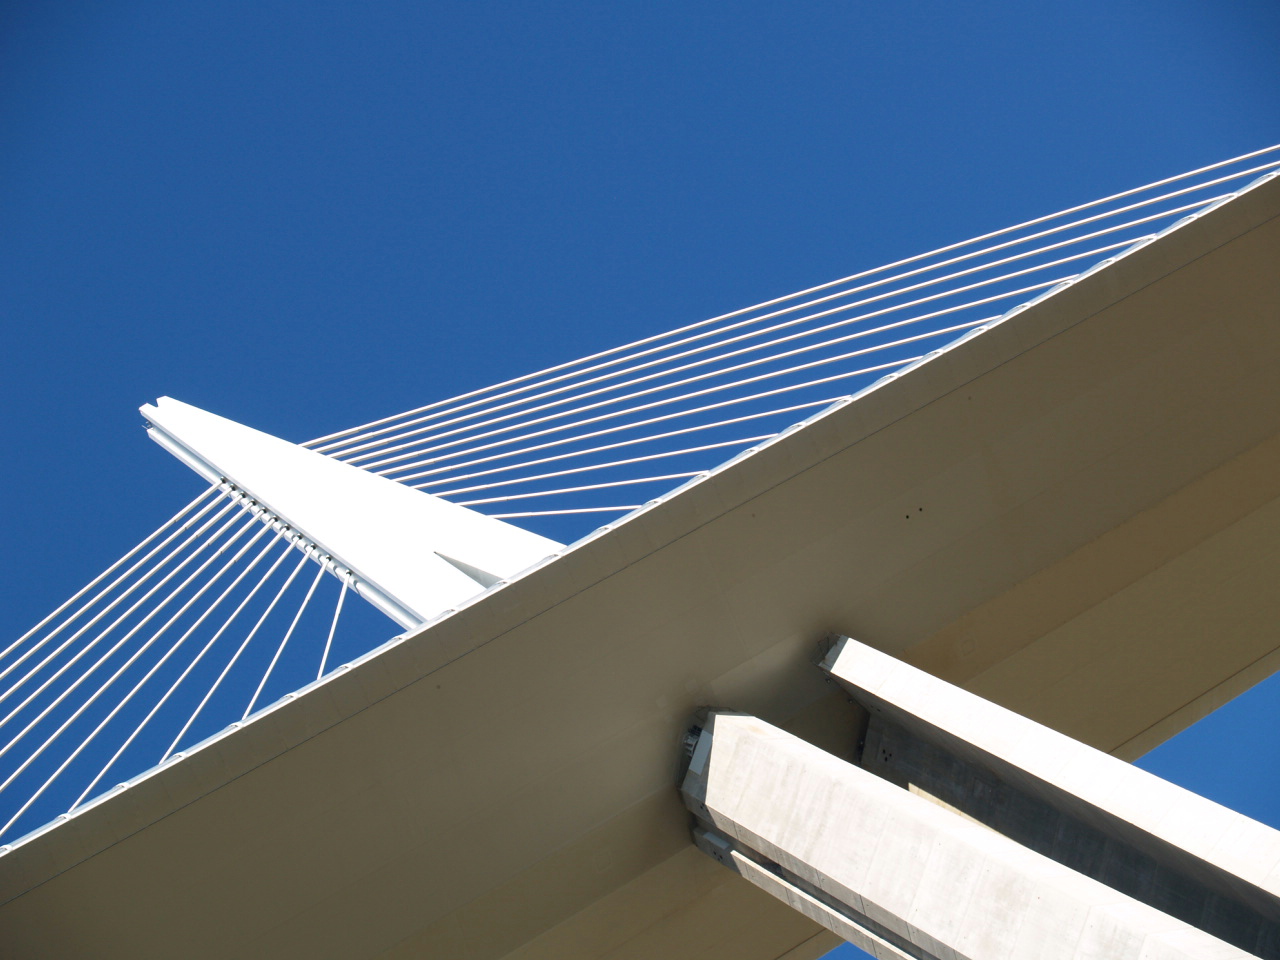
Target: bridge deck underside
column 1076, row 514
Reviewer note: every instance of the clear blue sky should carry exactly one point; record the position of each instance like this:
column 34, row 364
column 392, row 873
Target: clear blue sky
column 304, row 216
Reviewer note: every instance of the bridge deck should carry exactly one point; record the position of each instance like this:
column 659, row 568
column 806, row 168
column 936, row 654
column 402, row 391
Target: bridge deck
column 1074, row 514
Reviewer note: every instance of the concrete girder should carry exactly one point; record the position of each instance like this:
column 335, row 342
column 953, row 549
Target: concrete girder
column 965, row 830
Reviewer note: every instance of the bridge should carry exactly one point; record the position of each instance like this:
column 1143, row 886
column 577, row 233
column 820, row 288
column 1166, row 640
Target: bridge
column 1038, row 466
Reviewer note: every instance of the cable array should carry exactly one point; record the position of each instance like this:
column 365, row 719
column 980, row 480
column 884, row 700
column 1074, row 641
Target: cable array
column 224, row 610
column 630, row 422
column 162, row 650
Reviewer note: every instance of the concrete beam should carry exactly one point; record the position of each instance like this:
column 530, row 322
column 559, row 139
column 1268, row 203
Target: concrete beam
column 900, row 875
column 1147, row 838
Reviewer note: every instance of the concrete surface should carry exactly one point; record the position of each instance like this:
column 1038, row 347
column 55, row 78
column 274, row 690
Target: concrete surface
column 921, row 880
column 1152, row 840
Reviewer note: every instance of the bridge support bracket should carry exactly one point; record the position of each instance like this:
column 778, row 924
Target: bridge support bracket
column 964, row 830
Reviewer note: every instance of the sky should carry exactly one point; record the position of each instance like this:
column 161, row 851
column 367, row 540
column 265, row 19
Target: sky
column 306, row 216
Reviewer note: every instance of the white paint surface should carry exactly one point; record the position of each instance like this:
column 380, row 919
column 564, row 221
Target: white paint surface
column 412, row 554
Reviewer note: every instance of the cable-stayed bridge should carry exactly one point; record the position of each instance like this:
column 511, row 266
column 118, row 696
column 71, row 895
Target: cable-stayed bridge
column 254, row 623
